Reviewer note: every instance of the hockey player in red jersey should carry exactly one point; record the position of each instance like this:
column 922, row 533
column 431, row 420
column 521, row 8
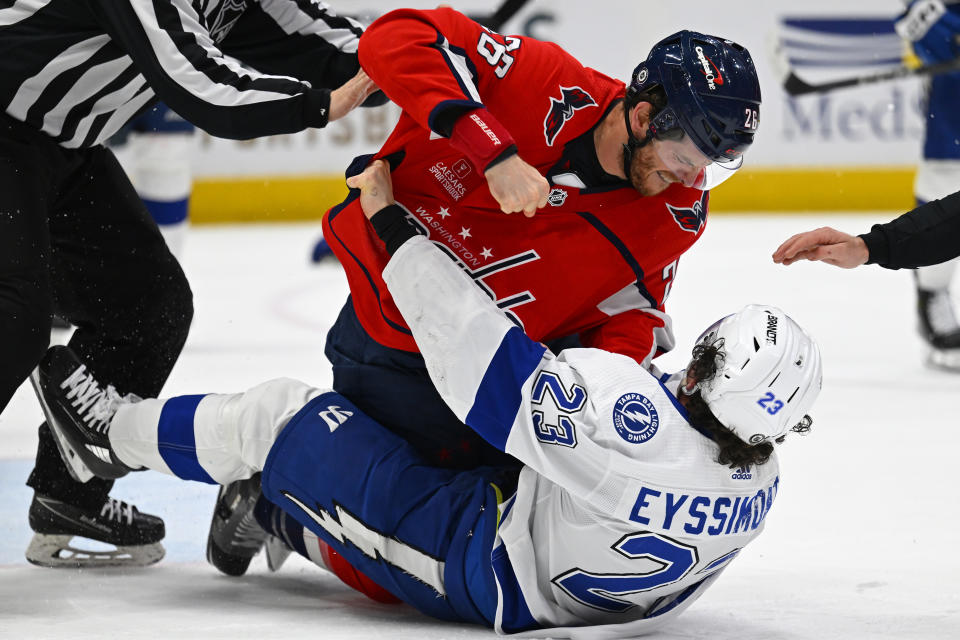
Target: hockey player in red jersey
column 611, row 181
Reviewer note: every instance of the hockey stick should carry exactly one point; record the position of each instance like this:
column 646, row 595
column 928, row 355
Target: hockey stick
column 504, row 12
column 795, row 86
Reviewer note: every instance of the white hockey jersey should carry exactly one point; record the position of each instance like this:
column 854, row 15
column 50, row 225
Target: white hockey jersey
column 622, row 515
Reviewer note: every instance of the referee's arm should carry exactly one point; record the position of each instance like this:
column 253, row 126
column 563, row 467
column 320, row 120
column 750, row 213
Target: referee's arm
column 301, row 39
column 927, row 235
column 186, row 69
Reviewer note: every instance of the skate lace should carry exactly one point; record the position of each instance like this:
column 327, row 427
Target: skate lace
column 118, row 510
column 96, row 406
column 940, row 314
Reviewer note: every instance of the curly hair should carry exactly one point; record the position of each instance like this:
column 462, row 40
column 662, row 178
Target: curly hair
column 707, row 362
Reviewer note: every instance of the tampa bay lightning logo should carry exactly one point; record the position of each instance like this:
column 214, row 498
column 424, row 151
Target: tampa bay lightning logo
column 635, row 418
column 571, row 99
column 692, row 218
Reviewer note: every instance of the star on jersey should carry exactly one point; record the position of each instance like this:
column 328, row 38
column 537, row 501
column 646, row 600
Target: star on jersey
column 464, row 232
column 486, row 253
column 443, row 213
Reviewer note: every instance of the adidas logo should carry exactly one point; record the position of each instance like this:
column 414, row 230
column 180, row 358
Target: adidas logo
column 742, row 473
column 334, row 416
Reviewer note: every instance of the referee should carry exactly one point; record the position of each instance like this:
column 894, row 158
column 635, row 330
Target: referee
column 76, row 240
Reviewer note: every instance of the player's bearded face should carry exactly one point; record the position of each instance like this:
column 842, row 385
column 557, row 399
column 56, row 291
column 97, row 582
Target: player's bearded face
column 648, row 174
column 661, row 162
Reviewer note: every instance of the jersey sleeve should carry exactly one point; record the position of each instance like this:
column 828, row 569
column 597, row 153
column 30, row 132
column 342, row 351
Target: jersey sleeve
column 638, row 325
column 642, row 334
column 176, row 53
column 422, row 60
column 927, row 235
column 509, row 389
column 306, row 40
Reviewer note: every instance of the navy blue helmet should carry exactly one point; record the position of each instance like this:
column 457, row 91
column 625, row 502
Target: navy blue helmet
column 712, row 92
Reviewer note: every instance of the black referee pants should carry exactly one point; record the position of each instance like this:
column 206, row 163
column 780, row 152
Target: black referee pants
column 77, row 241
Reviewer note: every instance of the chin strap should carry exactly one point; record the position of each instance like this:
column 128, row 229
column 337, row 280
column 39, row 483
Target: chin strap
column 632, row 144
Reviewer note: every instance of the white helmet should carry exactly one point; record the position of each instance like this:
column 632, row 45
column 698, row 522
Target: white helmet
column 770, row 373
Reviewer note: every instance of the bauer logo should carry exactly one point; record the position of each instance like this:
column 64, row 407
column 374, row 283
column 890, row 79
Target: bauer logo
column 635, row 418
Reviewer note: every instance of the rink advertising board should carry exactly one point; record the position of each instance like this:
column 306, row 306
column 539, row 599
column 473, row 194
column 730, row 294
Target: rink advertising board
column 847, row 150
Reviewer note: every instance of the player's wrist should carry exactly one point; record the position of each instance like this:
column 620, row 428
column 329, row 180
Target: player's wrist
column 508, row 153
column 482, row 138
column 861, row 253
column 392, row 227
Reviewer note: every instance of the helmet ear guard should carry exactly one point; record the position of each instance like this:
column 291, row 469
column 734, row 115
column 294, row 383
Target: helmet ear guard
column 769, row 377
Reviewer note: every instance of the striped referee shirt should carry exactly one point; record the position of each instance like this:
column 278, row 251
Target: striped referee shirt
column 80, row 69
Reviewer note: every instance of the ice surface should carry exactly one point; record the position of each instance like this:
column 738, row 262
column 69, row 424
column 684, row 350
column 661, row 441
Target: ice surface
column 862, row 541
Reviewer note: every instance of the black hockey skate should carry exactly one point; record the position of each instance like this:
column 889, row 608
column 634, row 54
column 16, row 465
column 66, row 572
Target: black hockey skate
column 136, row 536
column 235, row 536
column 939, row 327
column 79, row 412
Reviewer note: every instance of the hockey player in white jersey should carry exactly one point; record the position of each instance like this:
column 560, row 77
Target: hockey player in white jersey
column 636, row 490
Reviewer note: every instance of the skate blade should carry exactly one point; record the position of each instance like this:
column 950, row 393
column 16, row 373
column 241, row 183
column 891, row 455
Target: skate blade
column 78, row 470
column 277, row 553
column 58, row 552
column 944, row 359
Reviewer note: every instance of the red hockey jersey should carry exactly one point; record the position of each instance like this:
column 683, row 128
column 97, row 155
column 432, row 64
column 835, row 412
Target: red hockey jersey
column 595, row 262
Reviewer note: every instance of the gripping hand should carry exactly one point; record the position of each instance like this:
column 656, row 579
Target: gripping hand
column 933, row 29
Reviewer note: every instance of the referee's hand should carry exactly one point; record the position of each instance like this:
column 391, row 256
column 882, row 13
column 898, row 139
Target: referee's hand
column 350, row 95
column 824, row 245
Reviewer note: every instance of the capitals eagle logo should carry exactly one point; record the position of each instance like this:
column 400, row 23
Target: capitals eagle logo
column 571, row 99
column 692, row 218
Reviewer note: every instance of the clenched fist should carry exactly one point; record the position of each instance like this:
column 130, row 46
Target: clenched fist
column 517, row 186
